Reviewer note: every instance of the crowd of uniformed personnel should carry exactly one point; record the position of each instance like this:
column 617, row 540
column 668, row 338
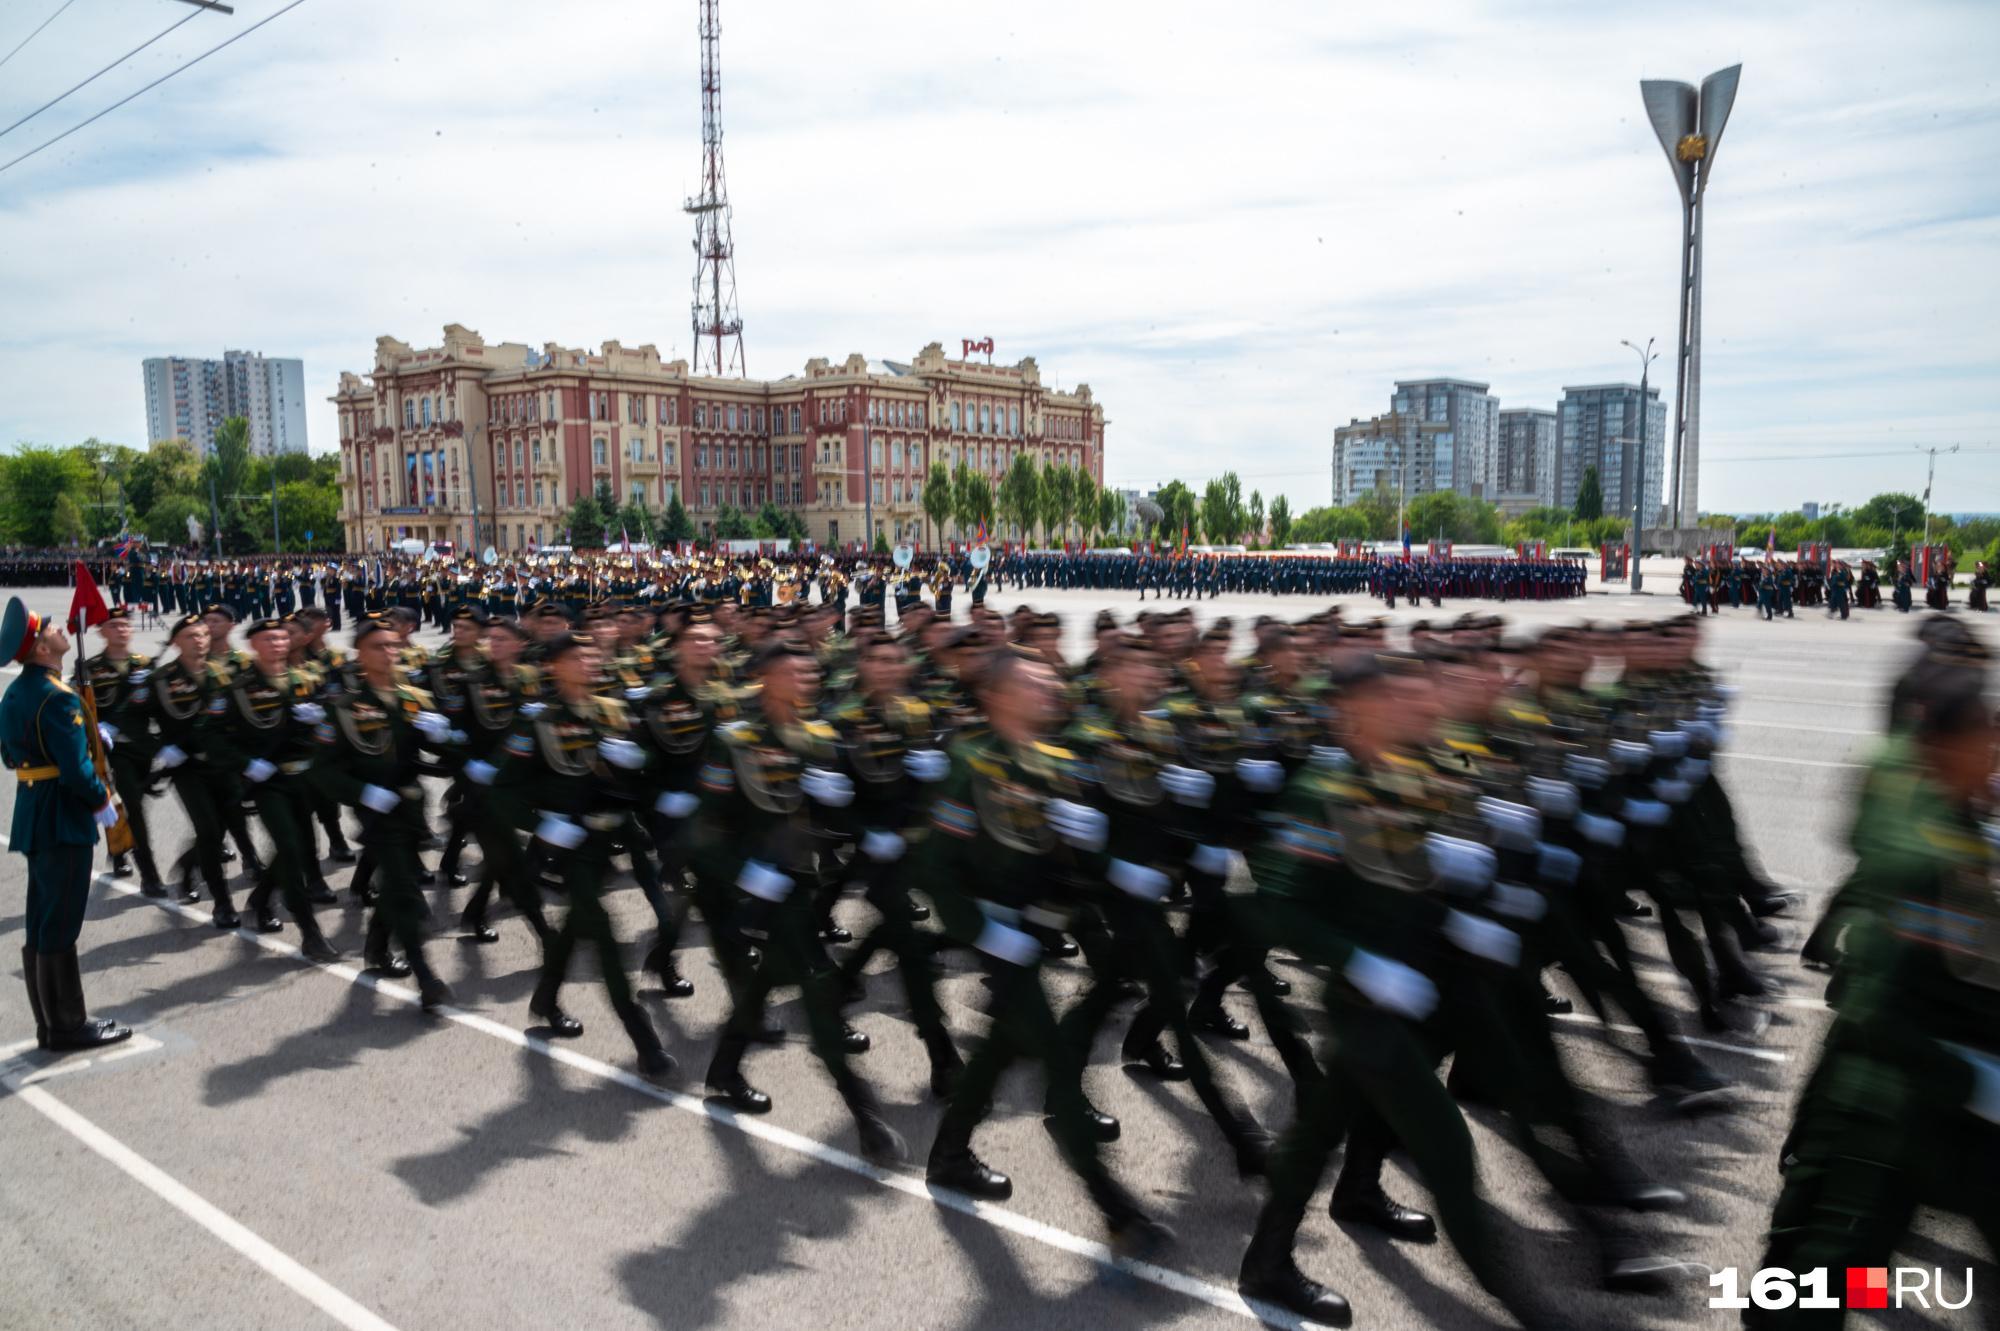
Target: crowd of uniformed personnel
column 1430, row 824
column 1775, row 587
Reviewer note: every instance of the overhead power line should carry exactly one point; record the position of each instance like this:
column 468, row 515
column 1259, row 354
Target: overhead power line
column 191, row 14
column 37, row 32
column 187, row 64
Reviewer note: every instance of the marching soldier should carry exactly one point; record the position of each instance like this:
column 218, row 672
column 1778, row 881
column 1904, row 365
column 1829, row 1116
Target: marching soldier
column 266, row 735
column 117, row 677
column 60, row 806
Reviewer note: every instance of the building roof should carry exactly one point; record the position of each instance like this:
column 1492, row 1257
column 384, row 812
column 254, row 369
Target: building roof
column 1455, row 383
column 1651, row 390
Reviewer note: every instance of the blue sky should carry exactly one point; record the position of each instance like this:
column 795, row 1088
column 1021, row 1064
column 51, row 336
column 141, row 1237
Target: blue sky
column 1239, row 225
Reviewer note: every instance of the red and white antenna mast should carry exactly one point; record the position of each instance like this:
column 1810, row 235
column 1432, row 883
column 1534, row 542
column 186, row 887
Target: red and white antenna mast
column 718, row 329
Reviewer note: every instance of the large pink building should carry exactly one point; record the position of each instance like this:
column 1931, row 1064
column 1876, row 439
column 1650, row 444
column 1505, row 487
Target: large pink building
column 489, row 444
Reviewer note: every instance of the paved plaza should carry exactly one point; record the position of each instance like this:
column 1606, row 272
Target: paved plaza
column 283, row 1145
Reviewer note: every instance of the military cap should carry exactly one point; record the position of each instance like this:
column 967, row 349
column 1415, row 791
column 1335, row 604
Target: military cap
column 118, row 612
column 257, row 626
column 184, row 622
column 219, row 609
column 371, row 626
column 471, row 612
column 18, row 630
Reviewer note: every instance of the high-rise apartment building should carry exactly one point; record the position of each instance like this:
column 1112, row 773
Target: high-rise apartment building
column 1524, row 460
column 1599, row 425
column 1398, row 453
column 1471, row 417
column 189, row 398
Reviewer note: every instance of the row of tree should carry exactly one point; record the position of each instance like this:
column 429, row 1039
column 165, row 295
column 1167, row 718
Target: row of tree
column 88, row 492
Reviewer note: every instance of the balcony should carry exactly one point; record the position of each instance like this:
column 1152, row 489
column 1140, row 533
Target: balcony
column 831, row 464
column 648, row 465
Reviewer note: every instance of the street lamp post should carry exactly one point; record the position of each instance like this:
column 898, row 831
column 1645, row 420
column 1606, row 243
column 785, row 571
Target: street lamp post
column 1646, row 357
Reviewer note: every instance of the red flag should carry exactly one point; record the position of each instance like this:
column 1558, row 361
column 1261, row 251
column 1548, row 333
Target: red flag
column 87, row 606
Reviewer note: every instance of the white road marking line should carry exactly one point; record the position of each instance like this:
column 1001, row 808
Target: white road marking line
column 1811, row 730
column 1790, row 762
column 8, row 1051
column 196, row 1208
column 999, row 1217
column 62, row 1067
column 1767, row 1055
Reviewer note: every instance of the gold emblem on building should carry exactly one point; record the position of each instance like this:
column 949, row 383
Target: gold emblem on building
column 1691, row 148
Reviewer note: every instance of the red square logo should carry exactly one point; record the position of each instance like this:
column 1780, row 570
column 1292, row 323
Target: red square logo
column 1867, row 1286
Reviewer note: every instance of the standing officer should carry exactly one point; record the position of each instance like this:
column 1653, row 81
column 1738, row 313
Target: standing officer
column 57, row 811
column 117, row 675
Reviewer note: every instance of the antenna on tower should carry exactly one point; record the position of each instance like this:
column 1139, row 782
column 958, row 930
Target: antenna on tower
column 718, row 329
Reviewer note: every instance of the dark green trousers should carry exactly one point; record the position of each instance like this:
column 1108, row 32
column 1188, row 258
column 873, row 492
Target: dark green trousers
column 58, row 894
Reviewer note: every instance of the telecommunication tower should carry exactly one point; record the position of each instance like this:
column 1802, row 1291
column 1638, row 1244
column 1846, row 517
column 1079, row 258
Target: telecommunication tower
column 718, row 329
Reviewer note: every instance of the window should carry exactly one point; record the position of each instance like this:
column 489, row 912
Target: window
column 833, row 533
column 1013, row 420
column 667, row 455
column 795, row 493
column 760, row 420
column 409, row 413
column 598, row 456
column 700, row 415
column 499, row 455
column 798, row 457
column 732, row 416
column 670, row 411
column 635, row 450
column 517, row 452
column 638, row 493
column 538, row 452
column 552, row 404
column 732, row 457
column 701, row 456
column 875, row 453
column 955, row 421
column 704, row 494
column 520, row 492
column 538, row 494
column 877, row 486
column 795, row 420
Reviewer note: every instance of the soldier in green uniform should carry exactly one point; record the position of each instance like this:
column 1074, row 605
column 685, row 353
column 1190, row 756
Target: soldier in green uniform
column 568, row 768
column 174, row 720
column 496, row 695
column 59, row 807
column 117, row 677
column 451, row 675
column 1009, row 835
column 1904, row 1108
column 771, row 780
column 266, row 736
column 371, row 746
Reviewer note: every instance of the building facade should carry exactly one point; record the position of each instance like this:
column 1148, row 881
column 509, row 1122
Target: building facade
column 1524, row 460
column 490, row 444
column 1398, row 453
column 1599, row 425
column 189, row 398
column 1471, row 416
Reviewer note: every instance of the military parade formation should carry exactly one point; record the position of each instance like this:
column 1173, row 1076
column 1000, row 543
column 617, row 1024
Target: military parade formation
column 1431, row 821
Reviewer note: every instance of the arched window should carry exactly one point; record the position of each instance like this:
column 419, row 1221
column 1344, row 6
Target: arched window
column 957, row 422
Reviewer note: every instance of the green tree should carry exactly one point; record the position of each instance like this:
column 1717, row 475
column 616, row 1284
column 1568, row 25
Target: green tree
column 1257, row 515
column 881, row 546
column 1178, row 508
column 1318, row 526
column 1378, row 509
column 1590, row 497
column 585, row 521
column 778, row 524
column 1453, row 516
column 1215, row 513
column 636, row 521
column 66, row 522
column 1281, row 521
column 169, row 468
column 1020, row 497
column 1060, row 501
column 675, row 525
column 1110, row 511
column 731, row 524
column 35, row 480
column 1084, row 497
column 305, row 507
column 165, row 523
column 972, row 495
column 939, row 500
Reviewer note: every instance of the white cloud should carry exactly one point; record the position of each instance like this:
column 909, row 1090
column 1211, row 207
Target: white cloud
column 1240, row 226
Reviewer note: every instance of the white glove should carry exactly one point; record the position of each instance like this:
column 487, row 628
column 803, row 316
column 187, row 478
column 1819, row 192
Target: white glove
column 433, row 726
column 108, row 733
column 1188, row 785
column 832, row 789
column 1213, row 860
column 480, row 772
column 559, row 830
column 1483, row 938
column 531, row 710
column 638, row 693
column 172, row 756
column 1332, row 757
column 882, row 847
column 622, row 753
column 309, row 712
column 106, row 816
column 676, row 803
column 1458, row 862
column 1391, row 985
column 380, row 798
column 260, row 770
column 1136, row 880
column 1261, row 774
column 1078, row 824
column 1008, row 943
column 762, row 881
column 927, row 764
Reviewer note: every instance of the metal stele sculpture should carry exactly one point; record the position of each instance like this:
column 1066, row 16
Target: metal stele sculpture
column 1689, row 124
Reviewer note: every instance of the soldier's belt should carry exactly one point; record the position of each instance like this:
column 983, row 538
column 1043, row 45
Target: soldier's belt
column 28, row 776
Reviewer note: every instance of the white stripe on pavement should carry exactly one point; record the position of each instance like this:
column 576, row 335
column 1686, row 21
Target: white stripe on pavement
column 63, row 1067
column 1790, row 762
column 1216, row 1296
column 196, row 1208
column 1749, row 1051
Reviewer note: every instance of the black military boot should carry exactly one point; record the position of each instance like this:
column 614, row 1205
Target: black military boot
column 945, row 1063
column 1269, row 1274
column 313, row 943
column 660, row 961
column 375, row 954
column 881, row 1145
column 654, row 1060
column 953, row 1165
column 28, row 969
column 1155, row 1058
column 726, row 1080
column 225, row 910
column 545, row 1006
column 70, row 1026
